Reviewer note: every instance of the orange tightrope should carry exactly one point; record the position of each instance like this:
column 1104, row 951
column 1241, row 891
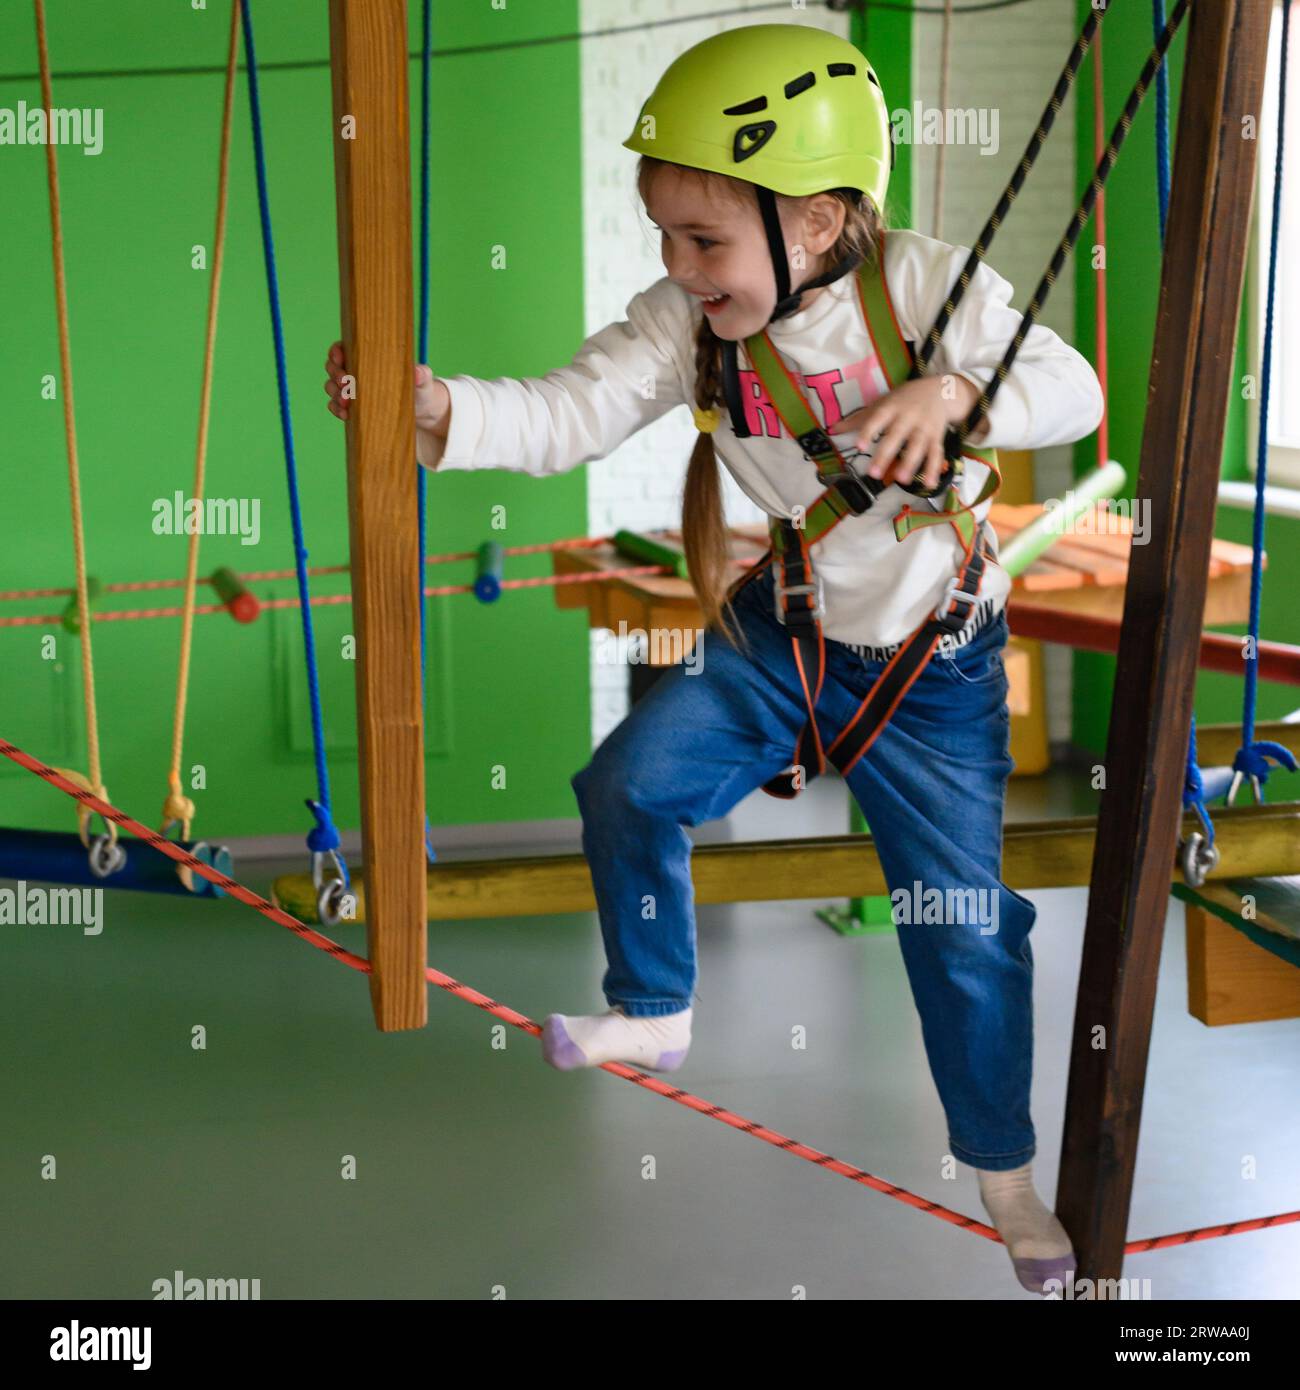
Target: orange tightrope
column 526, row 1024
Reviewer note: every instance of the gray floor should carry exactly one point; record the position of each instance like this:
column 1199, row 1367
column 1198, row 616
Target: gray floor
column 478, row 1168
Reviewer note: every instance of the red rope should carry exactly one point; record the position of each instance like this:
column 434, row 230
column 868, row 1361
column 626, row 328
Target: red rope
column 142, row 585
column 526, row 1024
column 542, row 581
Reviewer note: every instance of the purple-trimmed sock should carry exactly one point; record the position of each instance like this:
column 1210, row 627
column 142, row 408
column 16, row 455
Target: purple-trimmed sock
column 1034, row 1275
column 586, row 1040
column 1039, row 1247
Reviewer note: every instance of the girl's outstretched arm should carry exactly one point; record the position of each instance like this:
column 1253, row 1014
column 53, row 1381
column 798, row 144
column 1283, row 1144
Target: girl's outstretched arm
column 621, row 379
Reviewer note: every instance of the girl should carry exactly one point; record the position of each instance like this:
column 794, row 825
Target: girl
column 767, row 150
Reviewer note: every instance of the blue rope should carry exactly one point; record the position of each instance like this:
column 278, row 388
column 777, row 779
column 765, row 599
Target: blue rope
column 1162, row 120
column 422, row 478
column 324, row 837
column 1252, row 757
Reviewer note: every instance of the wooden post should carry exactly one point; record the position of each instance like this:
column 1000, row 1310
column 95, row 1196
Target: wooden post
column 1140, row 813
column 368, row 55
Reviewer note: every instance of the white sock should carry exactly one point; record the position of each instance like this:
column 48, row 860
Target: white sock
column 586, row 1040
column 1029, row 1229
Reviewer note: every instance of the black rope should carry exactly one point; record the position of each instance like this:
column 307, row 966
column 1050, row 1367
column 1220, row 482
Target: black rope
column 1081, row 216
column 1011, row 191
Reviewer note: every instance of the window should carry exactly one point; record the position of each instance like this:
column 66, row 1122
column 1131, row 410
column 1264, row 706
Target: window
column 1284, row 405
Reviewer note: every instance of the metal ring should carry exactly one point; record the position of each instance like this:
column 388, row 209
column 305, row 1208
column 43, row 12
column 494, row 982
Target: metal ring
column 1198, row 859
column 106, row 856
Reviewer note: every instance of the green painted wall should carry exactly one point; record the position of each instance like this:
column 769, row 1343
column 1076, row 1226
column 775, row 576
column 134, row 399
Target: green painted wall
column 509, row 684
column 885, row 36
column 1133, row 281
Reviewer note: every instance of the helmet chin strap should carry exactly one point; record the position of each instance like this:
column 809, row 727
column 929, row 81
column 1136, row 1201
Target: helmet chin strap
column 787, row 303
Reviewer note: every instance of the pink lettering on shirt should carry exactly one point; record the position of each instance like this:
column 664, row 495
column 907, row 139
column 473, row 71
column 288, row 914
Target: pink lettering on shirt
column 761, row 416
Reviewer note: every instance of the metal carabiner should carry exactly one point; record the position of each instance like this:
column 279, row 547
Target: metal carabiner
column 335, row 903
column 1235, row 784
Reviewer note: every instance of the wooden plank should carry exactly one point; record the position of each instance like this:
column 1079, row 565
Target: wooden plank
column 1093, row 564
column 1046, row 576
column 372, row 180
column 1234, row 555
column 1256, row 841
column 1231, row 980
column 1182, row 445
column 1007, row 518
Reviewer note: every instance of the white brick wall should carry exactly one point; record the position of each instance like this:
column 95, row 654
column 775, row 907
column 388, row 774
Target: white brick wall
column 639, row 486
column 1037, row 39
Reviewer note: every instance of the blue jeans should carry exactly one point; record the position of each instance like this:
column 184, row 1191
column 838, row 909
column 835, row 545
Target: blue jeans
column 931, row 788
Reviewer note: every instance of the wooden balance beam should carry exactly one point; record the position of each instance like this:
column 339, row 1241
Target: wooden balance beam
column 1254, row 841
column 1083, row 576
column 1242, row 964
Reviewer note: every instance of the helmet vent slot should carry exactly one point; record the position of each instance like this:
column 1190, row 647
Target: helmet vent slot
column 749, row 108
column 751, row 138
column 799, row 84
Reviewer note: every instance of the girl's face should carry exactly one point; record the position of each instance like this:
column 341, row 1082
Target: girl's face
column 717, row 246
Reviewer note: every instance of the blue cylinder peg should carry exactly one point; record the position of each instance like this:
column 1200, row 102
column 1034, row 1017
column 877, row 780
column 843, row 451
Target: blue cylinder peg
column 491, row 565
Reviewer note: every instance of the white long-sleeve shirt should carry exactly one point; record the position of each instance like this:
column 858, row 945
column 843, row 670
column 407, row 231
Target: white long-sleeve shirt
column 878, row 589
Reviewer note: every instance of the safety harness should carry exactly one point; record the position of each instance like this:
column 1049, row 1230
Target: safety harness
column 798, row 588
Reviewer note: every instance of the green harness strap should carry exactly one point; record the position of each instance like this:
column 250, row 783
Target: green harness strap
column 798, row 590
column 816, row 443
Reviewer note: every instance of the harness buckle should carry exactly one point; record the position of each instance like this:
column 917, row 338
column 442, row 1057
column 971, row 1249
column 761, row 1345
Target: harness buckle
column 854, row 489
column 780, row 591
column 954, row 622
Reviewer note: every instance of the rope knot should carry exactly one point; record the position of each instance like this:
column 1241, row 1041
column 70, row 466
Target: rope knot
column 1252, row 759
column 324, row 837
column 179, row 807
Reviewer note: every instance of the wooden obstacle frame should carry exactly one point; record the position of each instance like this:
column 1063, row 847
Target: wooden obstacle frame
column 1141, row 812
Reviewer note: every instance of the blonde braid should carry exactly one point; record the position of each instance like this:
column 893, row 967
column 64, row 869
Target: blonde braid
column 704, row 528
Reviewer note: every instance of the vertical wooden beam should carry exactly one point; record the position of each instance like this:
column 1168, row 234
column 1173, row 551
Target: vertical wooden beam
column 1182, row 445
column 368, row 54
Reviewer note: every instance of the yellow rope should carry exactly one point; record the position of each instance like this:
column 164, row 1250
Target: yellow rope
column 93, row 783
column 178, row 807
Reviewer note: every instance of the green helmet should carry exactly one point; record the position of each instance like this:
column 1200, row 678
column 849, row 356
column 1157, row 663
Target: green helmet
column 784, row 106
